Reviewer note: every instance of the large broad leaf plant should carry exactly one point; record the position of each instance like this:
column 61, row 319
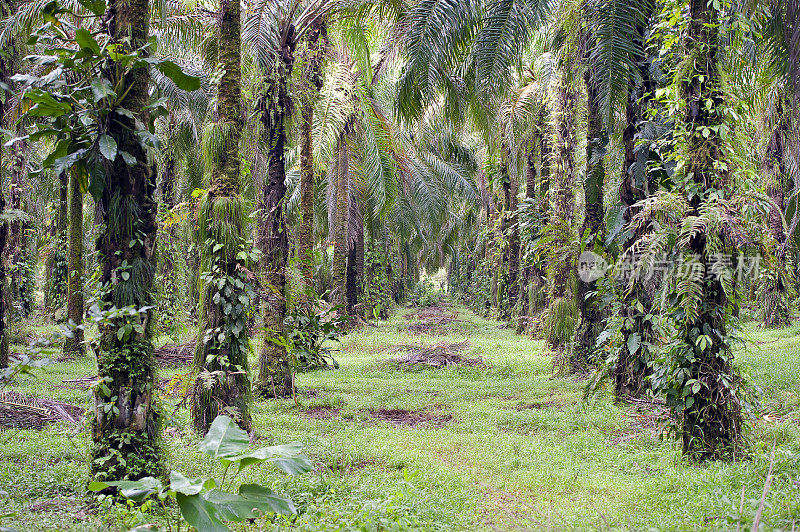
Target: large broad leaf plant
column 208, row 503
column 75, row 87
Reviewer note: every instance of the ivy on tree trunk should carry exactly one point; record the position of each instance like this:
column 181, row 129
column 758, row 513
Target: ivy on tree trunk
column 126, row 424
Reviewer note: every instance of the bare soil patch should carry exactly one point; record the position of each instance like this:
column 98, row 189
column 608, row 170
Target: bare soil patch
column 436, row 356
column 175, row 354
column 400, row 417
column 539, row 406
column 321, row 412
column 18, row 411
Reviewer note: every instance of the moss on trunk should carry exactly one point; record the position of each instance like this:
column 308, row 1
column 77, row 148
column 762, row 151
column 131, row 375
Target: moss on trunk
column 126, row 424
column 274, row 369
column 220, row 362
column 311, row 84
column 592, row 232
column 75, row 302
column 340, row 248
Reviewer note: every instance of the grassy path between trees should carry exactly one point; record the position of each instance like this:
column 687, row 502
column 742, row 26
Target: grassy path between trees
column 494, row 444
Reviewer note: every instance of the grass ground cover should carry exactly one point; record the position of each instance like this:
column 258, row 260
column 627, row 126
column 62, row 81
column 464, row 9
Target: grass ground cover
column 489, row 441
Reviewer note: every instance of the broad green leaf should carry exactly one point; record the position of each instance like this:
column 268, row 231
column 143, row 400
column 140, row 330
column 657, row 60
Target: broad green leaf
column 251, row 502
column 224, row 439
column 129, row 159
column 180, row 483
column 108, row 147
column 46, row 105
column 174, row 72
column 136, row 490
column 287, row 458
column 633, row 343
column 200, row 513
column 86, row 41
column 101, row 88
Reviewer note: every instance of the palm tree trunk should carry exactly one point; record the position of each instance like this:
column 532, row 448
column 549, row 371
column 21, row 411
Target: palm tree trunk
column 6, row 9
column 355, row 268
column 340, row 248
column 712, row 424
column 512, row 200
column 593, row 229
column 530, row 194
column 561, row 326
column 274, row 371
column 21, row 290
column 774, row 293
column 3, row 281
column 74, row 344
column 220, row 361
column 57, row 262
column 126, row 424
column 311, row 85
column 538, row 295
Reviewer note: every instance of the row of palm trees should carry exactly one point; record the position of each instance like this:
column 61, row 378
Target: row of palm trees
column 237, row 129
column 419, row 121
column 656, row 91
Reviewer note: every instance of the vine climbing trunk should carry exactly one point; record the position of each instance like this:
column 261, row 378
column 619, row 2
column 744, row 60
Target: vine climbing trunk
column 561, row 319
column 538, row 293
column 73, row 345
column 222, row 385
column 527, row 281
column 126, row 425
column 630, row 371
column 340, row 248
column 592, row 235
column 274, row 370
column 57, row 262
column 6, row 9
column 774, row 293
column 310, row 86
column 512, row 201
column 20, row 278
column 711, row 422
column 3, row 237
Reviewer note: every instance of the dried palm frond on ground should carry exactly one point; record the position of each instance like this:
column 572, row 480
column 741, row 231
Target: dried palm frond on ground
column 400, row 417
column 18, row 411
column 175, row 354
column 431, row 320
column 437, row 356
column 82, row 383
column 647, row 419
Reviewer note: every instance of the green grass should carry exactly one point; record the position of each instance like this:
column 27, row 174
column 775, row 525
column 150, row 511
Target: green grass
column 500, row 463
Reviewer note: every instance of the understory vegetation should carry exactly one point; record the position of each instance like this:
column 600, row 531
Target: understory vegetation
column 399, row 264
column 499, row 443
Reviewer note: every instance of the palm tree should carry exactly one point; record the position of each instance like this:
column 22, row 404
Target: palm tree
column 310, row 86
column 561, row 314
column 273, row 32
column 220, row 360
column 6, row 8
column 73, row 345
column 125, row 424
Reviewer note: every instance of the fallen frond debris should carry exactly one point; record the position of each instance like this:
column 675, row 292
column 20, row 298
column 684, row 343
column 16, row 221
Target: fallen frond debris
column 18, row 411
column 175, row 354
column 437, row 356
